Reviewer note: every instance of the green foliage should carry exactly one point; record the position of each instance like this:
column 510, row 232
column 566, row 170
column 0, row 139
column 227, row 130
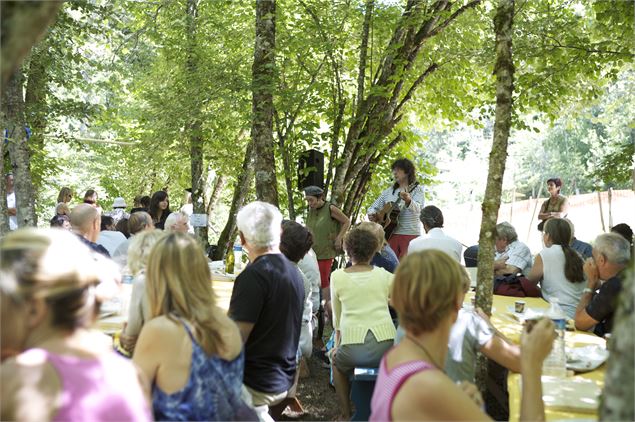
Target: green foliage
column 125, row 71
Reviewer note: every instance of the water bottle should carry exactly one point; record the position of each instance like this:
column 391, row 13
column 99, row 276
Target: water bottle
column 229, row 261
column 238, row 256
column 555, row 364
column 125, row 290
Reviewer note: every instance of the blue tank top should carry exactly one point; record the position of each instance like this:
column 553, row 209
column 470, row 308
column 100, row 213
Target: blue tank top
column 212, row 392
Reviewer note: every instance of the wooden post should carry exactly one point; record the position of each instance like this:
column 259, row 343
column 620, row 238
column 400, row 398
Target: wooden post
column 610, row 208
column 601, row 212
column 533, row 214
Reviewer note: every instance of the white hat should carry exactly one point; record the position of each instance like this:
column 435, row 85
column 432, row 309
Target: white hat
column 119, row 203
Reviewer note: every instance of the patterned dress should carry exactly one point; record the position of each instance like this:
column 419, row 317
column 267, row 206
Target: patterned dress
column 212, row 392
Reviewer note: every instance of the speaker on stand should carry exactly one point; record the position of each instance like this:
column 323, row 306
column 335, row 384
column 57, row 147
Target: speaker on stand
column 311, row 169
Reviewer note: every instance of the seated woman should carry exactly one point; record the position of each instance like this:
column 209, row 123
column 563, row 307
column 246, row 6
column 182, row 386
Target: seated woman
column 190, row 350
column 50, row 288
column 427, row 293
column 139, row 309
column 558, row 267
column 364, row 328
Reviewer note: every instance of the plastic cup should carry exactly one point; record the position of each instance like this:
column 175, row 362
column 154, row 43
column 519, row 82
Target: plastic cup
column 519, row 306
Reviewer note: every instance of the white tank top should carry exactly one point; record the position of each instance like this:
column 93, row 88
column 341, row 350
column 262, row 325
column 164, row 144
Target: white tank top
column 556, row 284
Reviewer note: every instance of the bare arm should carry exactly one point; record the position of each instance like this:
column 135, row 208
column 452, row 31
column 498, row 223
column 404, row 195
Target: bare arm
column 12, row 211
column 543, row 214
column 508, row 269
column 344, row 221
column 583, row 321
column 149, row 350
column 431, row 395
column 537, row 271
column 505, row 354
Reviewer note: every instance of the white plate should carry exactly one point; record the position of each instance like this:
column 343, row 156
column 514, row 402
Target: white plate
column 528, row 314
column 587, row 358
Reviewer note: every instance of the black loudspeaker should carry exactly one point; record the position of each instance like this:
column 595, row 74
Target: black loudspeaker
column 311, row 169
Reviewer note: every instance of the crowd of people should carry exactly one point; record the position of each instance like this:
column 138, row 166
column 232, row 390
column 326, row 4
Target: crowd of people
column 396, row 305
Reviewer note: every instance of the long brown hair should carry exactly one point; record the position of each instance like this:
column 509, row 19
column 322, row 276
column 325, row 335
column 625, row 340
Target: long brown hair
column 559, row 231
column 178, row 283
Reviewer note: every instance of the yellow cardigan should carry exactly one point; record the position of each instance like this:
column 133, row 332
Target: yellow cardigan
column 360, row 303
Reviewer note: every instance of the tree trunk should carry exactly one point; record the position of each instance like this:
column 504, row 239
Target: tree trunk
column 4, row 217
column 195, row 127
column 363, row 51
column 619, row 382
column 376, row 116
column 36, row 108
column 219, row 185
column 23, row 23
column 504, row 71
column 241, row 190
column 288, row 171
column 19, row 150
column 263, row 84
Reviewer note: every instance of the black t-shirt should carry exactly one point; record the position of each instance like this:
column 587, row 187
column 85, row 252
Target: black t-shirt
column 603, row 305
column 269, row 293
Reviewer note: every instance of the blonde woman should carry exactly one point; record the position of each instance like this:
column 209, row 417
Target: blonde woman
column 51, row 291
column 139, row 310
column 412, row 385
column 190, row 350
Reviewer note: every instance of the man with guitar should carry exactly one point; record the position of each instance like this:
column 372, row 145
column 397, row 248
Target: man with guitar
column 397, row 209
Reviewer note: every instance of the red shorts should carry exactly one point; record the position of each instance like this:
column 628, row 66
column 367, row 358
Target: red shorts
column 325, row 271
column 399, row 243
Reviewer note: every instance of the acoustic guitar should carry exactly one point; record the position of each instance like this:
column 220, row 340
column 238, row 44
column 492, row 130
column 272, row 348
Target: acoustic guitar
column 388, row 216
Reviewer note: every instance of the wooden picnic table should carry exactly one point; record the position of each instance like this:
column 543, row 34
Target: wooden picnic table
column 575, row 397
column 582, row 389
column 222, row 286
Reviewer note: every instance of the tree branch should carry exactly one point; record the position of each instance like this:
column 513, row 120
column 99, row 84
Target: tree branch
column 452, row 17
column 414, row 86
column 363, row 50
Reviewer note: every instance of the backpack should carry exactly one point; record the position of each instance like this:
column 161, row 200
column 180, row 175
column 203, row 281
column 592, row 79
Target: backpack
column 516, row 285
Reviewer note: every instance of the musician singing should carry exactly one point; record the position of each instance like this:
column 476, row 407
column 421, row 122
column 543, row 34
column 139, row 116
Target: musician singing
column 407, row 197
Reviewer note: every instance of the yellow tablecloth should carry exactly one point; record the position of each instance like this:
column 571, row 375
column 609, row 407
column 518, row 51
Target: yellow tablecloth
column 222, row 287
column 507, row 324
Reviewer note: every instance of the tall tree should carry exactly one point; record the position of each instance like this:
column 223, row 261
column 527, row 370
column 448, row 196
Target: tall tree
column 263, row 85
column 4, row 217
column 194, row 126
column 23, row 23
column 13, row 109
column 504, row 71
column 241, row 191
column 390, row 90
column 619, row 382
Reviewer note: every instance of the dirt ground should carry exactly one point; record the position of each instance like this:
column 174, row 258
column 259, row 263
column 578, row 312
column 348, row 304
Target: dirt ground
column 315, row 394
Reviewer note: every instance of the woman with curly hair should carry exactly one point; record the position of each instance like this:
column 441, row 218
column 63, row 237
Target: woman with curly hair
column 364, row 330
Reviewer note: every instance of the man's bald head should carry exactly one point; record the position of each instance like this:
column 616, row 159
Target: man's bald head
column 85, row 220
